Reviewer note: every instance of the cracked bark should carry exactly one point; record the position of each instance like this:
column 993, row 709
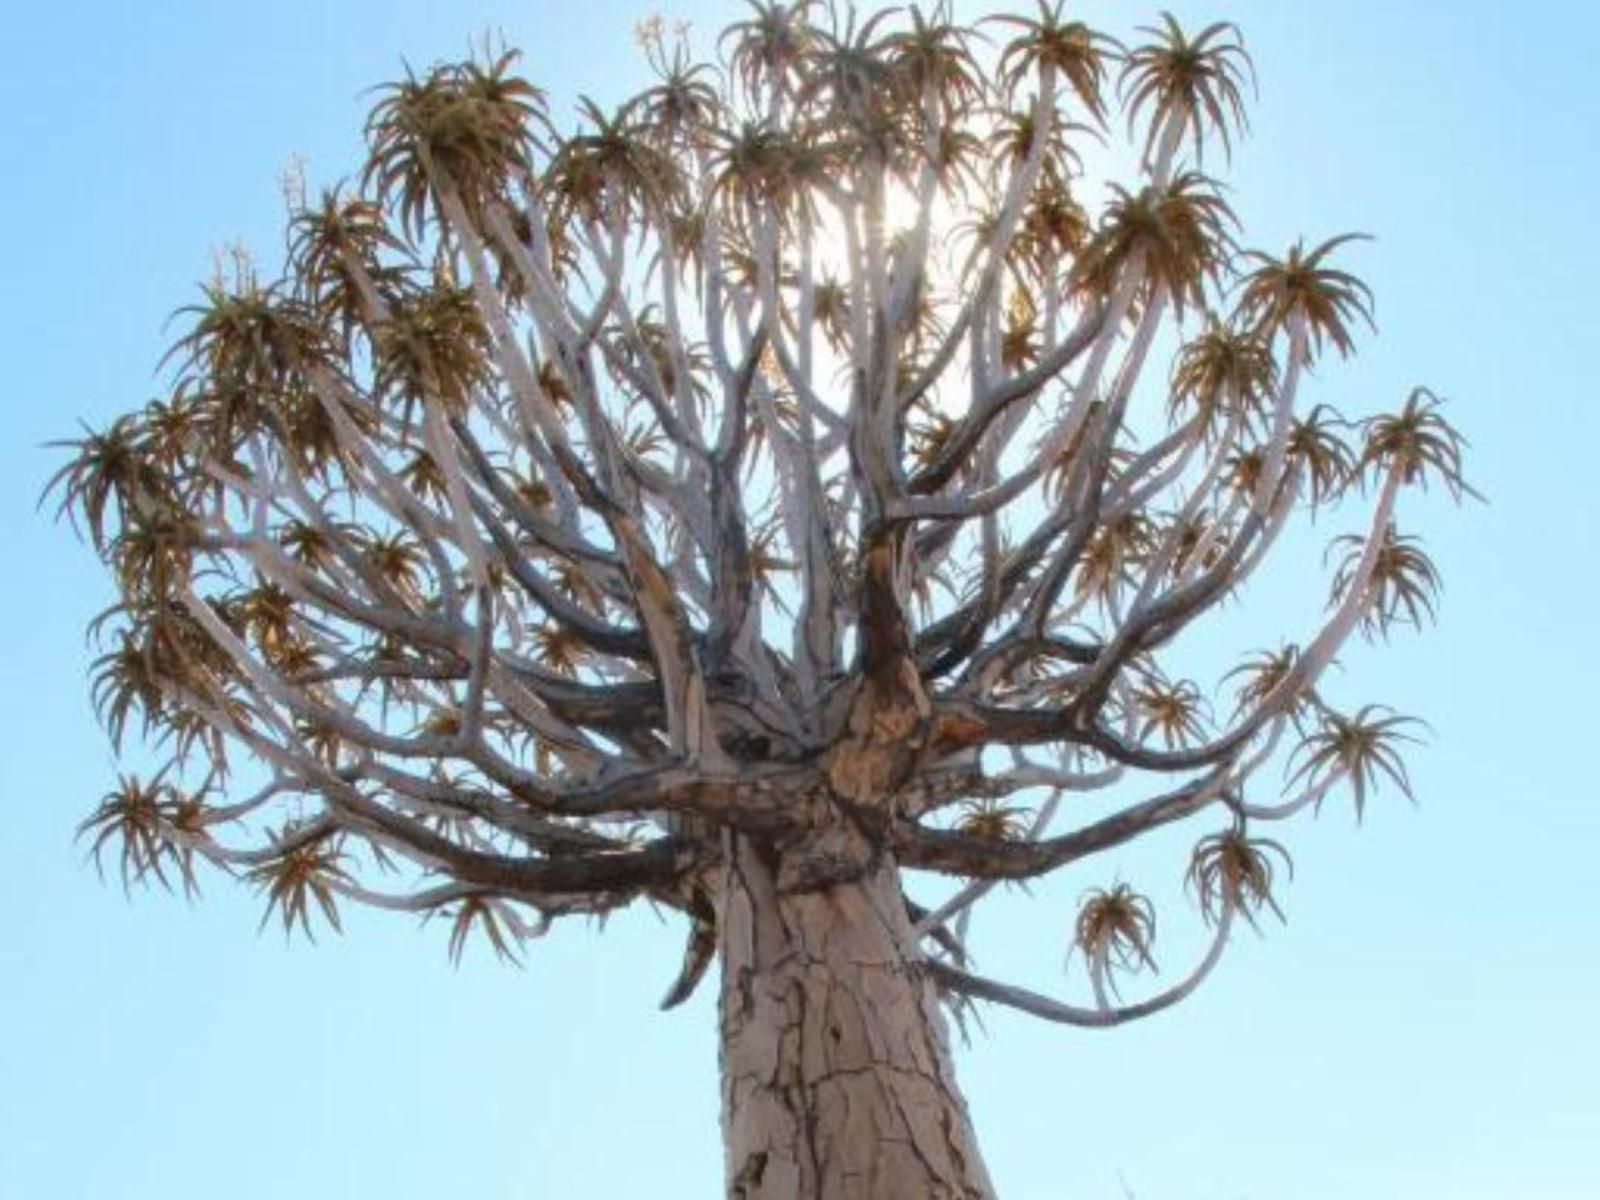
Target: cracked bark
column 837, row 1081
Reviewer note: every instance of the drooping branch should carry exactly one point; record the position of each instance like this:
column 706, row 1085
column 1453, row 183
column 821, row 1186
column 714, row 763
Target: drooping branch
column 1035, row 1004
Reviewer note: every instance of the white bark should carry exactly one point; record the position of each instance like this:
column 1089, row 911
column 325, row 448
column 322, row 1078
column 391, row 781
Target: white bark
column 837, row 1082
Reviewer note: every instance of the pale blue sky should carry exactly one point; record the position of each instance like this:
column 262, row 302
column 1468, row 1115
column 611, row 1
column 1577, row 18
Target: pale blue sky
column 1424, row 1026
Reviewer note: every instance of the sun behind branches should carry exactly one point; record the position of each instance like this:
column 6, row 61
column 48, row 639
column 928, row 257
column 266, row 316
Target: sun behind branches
column 765, row 498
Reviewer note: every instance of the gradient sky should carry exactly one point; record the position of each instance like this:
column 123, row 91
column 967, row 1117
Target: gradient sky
column 1423, row 1028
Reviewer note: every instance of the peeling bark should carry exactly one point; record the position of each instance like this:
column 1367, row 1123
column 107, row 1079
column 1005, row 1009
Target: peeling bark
column 837, row 1081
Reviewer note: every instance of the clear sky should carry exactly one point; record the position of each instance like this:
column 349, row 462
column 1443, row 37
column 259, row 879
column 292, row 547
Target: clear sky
column 1423, row 1028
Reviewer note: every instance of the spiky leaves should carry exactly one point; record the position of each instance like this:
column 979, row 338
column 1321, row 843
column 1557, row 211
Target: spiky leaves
column 761, row 170
column 108, row 477
column 1361, row 748
column 1302, row 285
column 989, row 818
column 433, row 346
column 1224, row 372
column 1230, row 871
column 613, row 170
column 683, row 105
column 1174, row 711
column 1190, row 84
column 469, row 124
column 1259, row 676
column 306, row 864
column 491, row 919
column 765, row 49
column 337, row 252
column 933, row 59
column 1419, row 442
column 1402, row 586
column 1114, row 932
column 1323, row 457
column 1180, row 233
column 153, row 827
column 1079, row 54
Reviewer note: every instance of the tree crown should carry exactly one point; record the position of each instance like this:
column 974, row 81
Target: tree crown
column 775, row 454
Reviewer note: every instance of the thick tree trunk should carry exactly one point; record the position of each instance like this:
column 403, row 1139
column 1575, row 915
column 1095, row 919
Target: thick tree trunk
column 837, row 1082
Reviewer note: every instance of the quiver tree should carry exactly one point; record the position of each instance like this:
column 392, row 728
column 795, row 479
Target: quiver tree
column 763, row 500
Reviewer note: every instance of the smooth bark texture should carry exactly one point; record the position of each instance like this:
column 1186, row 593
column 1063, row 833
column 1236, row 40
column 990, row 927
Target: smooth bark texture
column 837, row 1082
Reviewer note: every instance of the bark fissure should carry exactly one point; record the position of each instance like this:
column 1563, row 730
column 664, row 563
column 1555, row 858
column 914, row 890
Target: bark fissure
column 837, row 1081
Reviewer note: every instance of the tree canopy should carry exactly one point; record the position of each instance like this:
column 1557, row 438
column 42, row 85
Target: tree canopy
column 783, row 454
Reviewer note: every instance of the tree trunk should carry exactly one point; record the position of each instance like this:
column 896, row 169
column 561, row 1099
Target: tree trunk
column 836, row 1074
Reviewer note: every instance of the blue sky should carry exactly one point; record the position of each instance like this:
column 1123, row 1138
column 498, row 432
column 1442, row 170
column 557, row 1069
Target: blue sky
column 1423, row 1027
